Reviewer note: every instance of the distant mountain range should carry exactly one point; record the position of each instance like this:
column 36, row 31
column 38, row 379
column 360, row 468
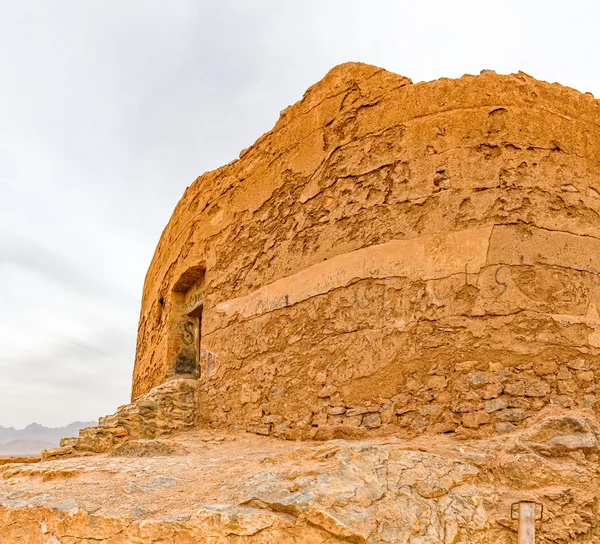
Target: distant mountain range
column 35, row 437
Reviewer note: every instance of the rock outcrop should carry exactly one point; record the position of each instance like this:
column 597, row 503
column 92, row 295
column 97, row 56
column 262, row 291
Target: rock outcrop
column 214, row 487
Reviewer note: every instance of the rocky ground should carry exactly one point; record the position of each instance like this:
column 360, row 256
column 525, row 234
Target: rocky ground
column 213, row 487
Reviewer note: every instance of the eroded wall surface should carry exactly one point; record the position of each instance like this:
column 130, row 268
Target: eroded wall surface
column 414, row 257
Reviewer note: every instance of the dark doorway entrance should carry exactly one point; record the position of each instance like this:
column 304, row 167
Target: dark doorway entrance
column 184, row 346
column 196, row 317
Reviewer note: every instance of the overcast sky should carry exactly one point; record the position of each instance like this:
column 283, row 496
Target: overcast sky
column 110, row 108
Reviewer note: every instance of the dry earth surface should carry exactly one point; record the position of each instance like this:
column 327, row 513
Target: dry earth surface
column 214, row 487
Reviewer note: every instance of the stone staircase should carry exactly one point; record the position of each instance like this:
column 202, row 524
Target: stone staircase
column 168, row 408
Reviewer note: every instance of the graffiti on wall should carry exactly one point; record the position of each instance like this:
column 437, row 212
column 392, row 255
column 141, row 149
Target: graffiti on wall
column 186, row 328
column 514, row 260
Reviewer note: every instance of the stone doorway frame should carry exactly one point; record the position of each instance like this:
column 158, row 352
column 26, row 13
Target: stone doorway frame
column 185, row 328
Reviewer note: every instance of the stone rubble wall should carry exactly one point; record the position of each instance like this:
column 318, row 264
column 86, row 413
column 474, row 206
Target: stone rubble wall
column 168, row 408
column 475, row 402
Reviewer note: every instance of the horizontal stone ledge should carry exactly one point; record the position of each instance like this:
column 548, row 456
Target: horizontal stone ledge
column 425, row 258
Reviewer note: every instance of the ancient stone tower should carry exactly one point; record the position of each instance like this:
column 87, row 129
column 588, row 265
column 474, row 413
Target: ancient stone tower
column 390, row 257
column 393, row 258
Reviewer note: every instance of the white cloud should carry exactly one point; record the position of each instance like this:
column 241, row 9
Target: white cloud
column 110, row 109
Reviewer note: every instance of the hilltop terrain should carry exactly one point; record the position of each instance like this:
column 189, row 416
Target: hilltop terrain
column 221, row 487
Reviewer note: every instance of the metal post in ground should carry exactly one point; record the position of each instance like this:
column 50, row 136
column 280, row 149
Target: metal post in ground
column 526, row 523
column 525, row 512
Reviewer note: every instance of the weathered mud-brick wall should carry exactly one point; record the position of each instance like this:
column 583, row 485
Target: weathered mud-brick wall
column 391, row 256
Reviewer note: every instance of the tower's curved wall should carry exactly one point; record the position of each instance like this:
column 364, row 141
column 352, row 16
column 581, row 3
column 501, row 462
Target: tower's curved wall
column 391, row 255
